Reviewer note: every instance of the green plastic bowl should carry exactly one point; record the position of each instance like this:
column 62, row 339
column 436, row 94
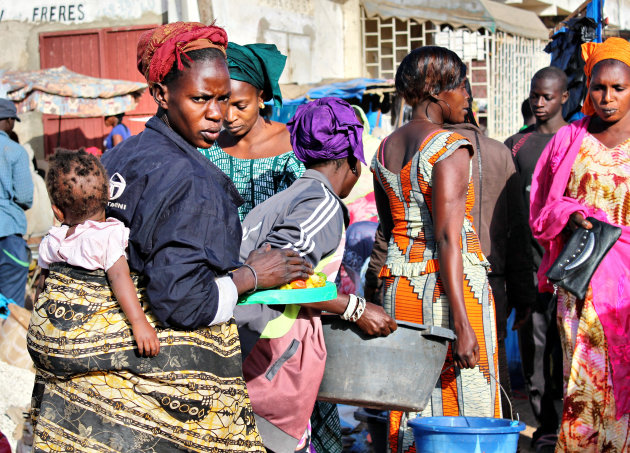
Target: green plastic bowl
column 291, row 296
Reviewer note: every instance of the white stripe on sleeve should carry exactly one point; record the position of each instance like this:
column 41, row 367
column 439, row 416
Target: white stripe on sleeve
column 316, row 221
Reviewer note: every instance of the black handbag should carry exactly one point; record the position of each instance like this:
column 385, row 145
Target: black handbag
column 581, row 256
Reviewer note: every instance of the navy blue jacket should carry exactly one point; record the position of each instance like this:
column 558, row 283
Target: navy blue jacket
column 182, row 213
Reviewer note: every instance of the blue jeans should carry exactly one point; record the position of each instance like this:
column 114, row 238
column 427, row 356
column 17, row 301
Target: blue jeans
column 14, row 264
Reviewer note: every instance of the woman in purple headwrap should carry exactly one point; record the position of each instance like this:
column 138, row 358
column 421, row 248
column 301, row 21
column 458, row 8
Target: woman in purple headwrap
column 309, row 218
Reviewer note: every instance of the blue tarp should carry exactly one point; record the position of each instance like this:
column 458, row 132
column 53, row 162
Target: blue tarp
column 344, row 90
column 595, row 10
column 513, row 353
column 286, row 112
column 349, row 89
column 4, row 306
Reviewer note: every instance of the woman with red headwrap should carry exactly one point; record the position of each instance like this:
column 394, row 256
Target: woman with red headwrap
column 94, row 392
column 585, row 171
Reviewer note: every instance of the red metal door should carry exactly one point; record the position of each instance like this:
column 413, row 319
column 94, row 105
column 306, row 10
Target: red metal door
column 106, row 52
column 120, row 62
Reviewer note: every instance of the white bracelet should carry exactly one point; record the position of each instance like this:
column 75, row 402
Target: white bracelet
column 351, row 307
column 360, row 310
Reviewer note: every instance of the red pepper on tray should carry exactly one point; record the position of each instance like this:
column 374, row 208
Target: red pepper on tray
column 316, row 280
column 298, row 284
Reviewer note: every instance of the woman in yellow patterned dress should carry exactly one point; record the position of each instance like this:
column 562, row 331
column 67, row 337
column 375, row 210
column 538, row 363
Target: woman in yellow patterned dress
column 585, row 171
column 435, row 272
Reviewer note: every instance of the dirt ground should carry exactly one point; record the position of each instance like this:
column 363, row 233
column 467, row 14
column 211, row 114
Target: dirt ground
column 16, row 386
column 524, row 411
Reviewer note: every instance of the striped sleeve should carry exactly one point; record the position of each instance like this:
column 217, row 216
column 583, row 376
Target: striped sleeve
column 313, row 227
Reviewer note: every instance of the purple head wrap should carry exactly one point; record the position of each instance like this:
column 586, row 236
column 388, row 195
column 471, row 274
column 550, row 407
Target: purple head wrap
column 325, row 129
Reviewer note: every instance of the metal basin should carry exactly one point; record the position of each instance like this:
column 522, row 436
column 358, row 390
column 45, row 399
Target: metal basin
column 394, row 372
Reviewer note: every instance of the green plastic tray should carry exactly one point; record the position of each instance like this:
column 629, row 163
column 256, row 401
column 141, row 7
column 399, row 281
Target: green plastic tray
column 291, row 296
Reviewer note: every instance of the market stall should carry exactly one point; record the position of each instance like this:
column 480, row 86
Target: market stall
column 69, row 95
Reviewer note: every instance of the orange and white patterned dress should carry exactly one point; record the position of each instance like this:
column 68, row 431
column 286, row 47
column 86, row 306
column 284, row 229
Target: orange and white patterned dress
column 600, row 178
column 414, row 291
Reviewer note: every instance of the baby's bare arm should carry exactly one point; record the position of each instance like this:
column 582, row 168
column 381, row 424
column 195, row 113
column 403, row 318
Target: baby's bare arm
column 125, row 292
column 41, row 284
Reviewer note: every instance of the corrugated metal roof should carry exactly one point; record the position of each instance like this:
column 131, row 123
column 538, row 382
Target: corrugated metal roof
column 471, row 14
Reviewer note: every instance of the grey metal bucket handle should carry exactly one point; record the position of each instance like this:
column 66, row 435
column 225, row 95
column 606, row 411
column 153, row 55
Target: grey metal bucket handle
column 430, row 331
column 507, row 397
column 448, row 334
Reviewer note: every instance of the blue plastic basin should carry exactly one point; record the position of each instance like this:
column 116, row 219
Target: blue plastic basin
column 465, row 434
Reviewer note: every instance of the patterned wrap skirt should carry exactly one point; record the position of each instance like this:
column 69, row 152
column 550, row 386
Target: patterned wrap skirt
column 94, row 393
column 589, row 422
column 458, row 392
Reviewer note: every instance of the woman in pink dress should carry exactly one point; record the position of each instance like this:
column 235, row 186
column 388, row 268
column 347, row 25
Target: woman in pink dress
column 585, row 171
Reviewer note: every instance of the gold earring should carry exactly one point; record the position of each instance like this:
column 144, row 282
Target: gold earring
column 261, row 105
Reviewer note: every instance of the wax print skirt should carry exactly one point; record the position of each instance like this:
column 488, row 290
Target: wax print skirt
column 94, row 393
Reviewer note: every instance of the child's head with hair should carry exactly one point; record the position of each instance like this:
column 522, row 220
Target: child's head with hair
column 77, row 186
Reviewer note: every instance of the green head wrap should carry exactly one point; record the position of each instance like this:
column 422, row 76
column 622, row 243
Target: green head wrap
column 260, row 65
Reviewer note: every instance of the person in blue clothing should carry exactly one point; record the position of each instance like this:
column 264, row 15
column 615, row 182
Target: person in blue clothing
column 183, row 252
column 16, row 195
column 118, row 133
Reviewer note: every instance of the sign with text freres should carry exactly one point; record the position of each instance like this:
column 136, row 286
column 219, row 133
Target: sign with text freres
column 79, row 11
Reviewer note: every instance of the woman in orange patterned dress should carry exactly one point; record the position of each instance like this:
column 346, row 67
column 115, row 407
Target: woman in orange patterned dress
column 435, row 272
column 585, row 171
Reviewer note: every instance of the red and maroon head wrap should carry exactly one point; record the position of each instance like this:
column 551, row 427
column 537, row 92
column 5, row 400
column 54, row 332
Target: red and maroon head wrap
column 159, row 48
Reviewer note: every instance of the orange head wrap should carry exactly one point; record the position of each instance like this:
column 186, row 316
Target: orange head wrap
column 159, row 48
column 593, row 53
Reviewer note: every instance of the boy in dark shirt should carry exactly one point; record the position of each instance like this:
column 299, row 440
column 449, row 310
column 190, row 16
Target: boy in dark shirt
column 547, row 95
column 538, row 337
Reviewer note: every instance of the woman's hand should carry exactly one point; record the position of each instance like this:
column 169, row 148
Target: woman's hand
column 577, row 220
column 146, row 338
column 466, row 348
column 375, row 321
column 275, row 267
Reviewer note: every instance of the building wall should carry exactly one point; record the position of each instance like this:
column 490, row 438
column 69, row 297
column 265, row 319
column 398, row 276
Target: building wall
column 617, row 11
column 618, row 14
column 547, row 7
column 22, row 21
column 321, row 38
column 354, row 65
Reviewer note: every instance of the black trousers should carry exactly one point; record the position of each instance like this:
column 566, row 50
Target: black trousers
column 497, row 283
column 541, row 356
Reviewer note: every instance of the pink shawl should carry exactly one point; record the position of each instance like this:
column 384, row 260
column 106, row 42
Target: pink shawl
column 550, row 211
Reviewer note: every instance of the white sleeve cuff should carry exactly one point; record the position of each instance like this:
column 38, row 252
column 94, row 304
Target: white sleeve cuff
column 228, row 296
